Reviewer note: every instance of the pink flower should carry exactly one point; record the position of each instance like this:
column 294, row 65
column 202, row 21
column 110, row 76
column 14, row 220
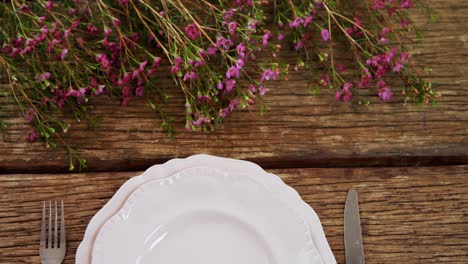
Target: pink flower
column 338, row 95
column 384, row 31
column 325, row 35
column 233, row 72
column 365, row 81
column 296, row 22
column 42, row 77
column 6, row 49
column 347, row 87
column 340, row 68
column 406, row 4
column 140, row 91
column 178, row 61
column 100, row 89
column 232, row 26
column 48, row 5
column 116, row 22
column 397, row 67
column 230, row 84
column 269, row 75
column 92, row 29
column 252, row 25
column 241, row 48
column 212, row 50
column 41, row 20
column 383, row 40
column 381, row 84
column 280, row 36
column 224, row 43
column 390, row 55
column 324, row 80
column 107, row 32
column 404, row 57
column 31, row 136
column 191, row 75
column 72, row 11
column 265, row 38
column 299, row 45
column 192, row 31
column 378, row 4
column 347, row 97
column 404, row 23
column 63, row 54
column 262, row 90
column 307, row 21
column 385, row 94
column 345, row 94
column 157, row 62
column 25, row 9
column 240, row 63
column 199, row 63
column 30, row 115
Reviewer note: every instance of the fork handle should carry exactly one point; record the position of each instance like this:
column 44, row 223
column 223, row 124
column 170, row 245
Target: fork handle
column 51, row 262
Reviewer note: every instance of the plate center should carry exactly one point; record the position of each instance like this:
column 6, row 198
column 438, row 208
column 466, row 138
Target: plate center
column 206, row 237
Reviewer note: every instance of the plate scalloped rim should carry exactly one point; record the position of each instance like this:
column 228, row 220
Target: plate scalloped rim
column 173, row 166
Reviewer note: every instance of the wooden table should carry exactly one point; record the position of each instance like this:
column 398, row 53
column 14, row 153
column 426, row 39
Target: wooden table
column 409, row 163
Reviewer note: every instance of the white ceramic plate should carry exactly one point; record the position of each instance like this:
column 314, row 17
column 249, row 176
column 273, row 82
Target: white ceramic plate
column 204, row 215
column 160, row 171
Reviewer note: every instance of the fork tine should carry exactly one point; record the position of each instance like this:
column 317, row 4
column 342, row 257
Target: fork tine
column 49, row 242
column 55, row 227
column 62, row 229
column 43, row 238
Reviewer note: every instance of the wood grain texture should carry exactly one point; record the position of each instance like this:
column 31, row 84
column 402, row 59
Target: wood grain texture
column 298, row 131
column 409, row 215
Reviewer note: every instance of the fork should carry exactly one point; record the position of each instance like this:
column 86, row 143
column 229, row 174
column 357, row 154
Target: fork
column 50, row 250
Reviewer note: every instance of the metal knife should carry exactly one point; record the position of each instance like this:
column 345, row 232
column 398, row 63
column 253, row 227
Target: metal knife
column 354, row 249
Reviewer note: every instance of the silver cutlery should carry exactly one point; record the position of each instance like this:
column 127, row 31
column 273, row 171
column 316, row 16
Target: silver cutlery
column 354, row 249
column 52, row 248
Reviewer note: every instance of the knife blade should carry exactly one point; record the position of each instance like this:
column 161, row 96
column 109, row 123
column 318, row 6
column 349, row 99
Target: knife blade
column 354, row 249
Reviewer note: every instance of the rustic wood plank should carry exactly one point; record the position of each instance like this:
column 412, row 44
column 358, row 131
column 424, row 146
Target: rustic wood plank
column 409, row 215
column 298, row 131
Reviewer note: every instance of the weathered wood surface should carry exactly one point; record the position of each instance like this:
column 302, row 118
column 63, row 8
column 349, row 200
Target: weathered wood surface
column 409, row 215
column 299, row 130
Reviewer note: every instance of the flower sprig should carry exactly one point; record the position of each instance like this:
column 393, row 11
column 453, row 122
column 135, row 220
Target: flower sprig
column 220, row 54
column 375, row 32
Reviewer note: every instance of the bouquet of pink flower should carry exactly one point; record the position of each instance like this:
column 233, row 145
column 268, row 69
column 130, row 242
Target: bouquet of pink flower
column 58, row 55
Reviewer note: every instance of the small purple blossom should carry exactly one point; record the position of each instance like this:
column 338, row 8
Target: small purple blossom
column 116, row 22
column 31, row 136
column 269, row 75
column 297, row 22
column 385, row 94
column 192, row 31
column 43, row 77
column 230, row 84
column 212, row 50
column 30, row 115
column 241, row 48
column 224, row 43
column 63, row 54
column 191, row 75
column 232, row 26
column 232, row 72
column 325, row 35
